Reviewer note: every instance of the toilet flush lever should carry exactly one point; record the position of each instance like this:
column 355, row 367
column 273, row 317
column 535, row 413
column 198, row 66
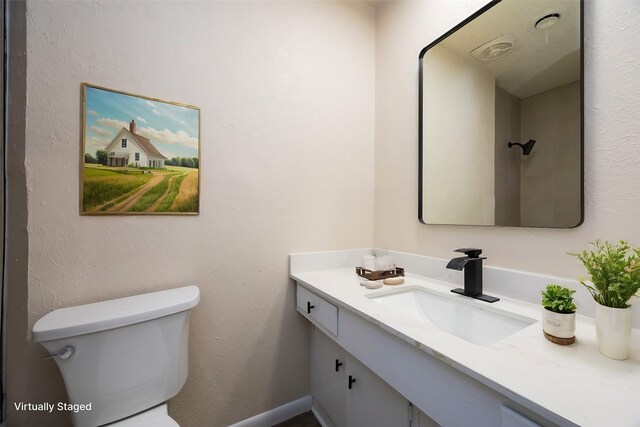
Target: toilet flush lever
column 64, row 353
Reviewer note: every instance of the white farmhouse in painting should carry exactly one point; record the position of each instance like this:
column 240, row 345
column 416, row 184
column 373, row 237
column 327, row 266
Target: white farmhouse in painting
column 129, row 148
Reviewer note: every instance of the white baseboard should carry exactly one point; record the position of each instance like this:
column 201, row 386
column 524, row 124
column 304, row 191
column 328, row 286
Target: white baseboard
column 277, row 415
column 321, row 416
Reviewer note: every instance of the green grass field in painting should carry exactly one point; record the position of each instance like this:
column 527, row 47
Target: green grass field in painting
column 154, row 194
column 107, row 187
column 167, row 201
column 103, row 185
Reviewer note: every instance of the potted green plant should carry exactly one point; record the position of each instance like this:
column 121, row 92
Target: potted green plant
column 615, row 278
column 558, row 314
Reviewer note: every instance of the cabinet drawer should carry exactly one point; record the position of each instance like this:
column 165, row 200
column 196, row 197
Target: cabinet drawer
column 313, row 306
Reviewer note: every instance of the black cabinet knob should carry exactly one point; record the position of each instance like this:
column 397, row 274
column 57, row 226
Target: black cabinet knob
column 351, row 381
column 338, row 364
column 309, row 307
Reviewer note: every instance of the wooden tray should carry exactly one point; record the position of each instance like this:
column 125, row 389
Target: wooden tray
column 379, row 274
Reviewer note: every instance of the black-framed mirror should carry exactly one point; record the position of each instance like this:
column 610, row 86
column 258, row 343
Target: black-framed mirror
column 501, row 118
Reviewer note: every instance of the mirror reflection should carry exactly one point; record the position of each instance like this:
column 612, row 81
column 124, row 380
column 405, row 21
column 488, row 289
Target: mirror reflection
column 501, row 118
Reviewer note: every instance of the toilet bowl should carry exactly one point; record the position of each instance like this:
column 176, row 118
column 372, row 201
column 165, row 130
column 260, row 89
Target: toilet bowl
column 124, row 358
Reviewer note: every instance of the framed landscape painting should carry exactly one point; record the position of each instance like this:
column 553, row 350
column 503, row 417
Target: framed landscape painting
column 140, row 155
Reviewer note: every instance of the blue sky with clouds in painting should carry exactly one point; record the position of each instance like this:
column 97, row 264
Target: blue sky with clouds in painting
column 171, row 128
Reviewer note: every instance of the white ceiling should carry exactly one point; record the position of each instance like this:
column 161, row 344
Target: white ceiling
column 542, row 59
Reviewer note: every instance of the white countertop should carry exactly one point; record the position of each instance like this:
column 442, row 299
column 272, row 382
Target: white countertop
column 575, row 382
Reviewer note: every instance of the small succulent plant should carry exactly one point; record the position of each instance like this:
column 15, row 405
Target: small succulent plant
column 558, row 299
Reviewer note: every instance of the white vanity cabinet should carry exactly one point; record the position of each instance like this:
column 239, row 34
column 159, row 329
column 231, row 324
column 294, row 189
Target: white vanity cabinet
column 349, row 393
column 389, row 373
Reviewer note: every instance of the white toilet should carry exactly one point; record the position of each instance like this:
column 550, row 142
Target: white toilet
column 125, row 357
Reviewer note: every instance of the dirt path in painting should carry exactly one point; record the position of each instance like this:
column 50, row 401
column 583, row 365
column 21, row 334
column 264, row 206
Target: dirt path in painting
column 188, row 188
column 131, row 200
column 167, row 191
column 127, row 195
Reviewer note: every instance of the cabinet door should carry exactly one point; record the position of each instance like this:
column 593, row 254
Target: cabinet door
column 371, row 401
column 329, row 389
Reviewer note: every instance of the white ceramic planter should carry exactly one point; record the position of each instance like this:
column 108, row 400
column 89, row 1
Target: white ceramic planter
column 613, row 327
column 559, row 325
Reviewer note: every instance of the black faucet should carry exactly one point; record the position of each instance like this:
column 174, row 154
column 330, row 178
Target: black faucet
column 472, row 265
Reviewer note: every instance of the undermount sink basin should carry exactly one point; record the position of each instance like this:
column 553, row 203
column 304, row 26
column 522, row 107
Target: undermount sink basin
column 474, row 321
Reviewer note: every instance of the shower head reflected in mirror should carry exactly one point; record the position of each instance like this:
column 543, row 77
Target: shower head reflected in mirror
column 526, row 148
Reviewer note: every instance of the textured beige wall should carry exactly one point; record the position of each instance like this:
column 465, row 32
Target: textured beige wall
column 287, row 97
column 26, row 375
column 612, row 149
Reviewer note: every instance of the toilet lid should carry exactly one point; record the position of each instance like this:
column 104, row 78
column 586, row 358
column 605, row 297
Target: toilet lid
column 155, row 417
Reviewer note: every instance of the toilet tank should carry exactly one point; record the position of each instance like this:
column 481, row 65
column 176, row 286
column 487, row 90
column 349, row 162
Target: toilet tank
column 129, row 354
